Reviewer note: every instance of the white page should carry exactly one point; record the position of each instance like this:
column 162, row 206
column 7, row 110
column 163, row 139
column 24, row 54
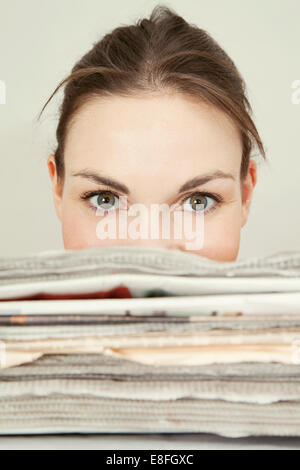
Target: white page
column 272, row 304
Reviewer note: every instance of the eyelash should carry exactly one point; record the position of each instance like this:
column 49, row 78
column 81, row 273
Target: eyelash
column 217, row 197
column 89, row 194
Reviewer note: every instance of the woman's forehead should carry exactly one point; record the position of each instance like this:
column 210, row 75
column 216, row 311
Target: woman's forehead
column 158, row 129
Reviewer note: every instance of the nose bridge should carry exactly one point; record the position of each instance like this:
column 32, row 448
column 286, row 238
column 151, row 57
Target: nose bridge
column 158, row 229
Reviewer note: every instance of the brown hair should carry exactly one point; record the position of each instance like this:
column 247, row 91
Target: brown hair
column 161, row 53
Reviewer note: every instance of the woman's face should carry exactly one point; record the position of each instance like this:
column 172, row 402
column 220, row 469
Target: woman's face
column 153, row 149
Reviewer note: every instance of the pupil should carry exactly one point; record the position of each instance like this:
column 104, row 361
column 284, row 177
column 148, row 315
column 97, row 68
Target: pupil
column 199, row 200
column 105, row 199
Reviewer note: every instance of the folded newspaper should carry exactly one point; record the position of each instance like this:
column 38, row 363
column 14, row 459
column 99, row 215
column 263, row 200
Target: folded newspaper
column 128, row 339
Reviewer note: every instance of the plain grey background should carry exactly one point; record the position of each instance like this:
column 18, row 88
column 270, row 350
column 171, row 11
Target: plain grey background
column 40, row 40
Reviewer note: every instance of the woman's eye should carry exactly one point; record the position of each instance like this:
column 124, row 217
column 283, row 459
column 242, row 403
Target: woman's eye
column 200, row 202
column 105, row 200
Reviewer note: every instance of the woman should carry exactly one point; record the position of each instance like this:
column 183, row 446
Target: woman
column 155, row 113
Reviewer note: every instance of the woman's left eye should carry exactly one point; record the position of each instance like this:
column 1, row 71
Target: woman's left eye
column 200, row 202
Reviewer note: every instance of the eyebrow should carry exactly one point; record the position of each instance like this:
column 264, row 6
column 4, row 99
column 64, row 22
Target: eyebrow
column 193, row 183
column 200, row 180
column 96, row 178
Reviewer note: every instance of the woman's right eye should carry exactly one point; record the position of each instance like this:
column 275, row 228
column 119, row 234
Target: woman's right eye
column 105, row 200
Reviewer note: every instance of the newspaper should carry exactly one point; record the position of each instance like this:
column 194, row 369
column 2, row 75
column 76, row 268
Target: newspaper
column 125, row 339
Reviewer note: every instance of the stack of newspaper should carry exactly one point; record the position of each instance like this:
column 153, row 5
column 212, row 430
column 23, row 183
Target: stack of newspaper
column 129, row 339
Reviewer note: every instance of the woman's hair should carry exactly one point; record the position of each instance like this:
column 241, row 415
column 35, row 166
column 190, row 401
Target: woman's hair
column 162, row 53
